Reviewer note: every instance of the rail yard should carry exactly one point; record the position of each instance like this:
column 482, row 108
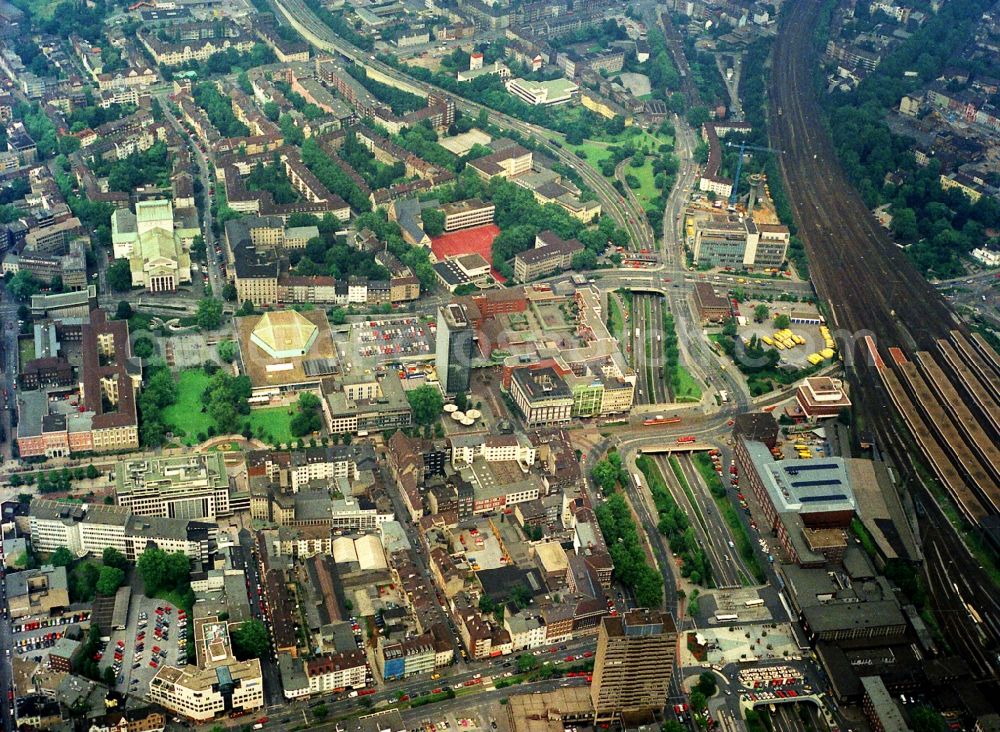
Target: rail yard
column 872, row 289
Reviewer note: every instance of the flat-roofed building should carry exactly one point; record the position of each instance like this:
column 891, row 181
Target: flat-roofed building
column 217, row 684
column 712, row 308
column 453, row 348
column 633, row 665
column 737, row 241
column 550, row 711
column 880, row 707
column 388, row 409
column 188, row 486
column 507, row 163
column 542, row 396
column 822, row 397
column 466, row 214
column 816, row 489
column 36, row 591
column 544, row 93
column 551, row 253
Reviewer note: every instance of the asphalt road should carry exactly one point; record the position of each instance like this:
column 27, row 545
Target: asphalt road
column 6, row 669
column 215, row 278
column 269, row 666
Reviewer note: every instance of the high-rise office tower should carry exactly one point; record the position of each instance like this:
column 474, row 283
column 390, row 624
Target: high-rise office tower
column 633, row 666
column 453, row 348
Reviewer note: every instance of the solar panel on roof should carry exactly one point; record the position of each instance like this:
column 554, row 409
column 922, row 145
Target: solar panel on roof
column 811, row 483
column 820, row 499
column 822, row 466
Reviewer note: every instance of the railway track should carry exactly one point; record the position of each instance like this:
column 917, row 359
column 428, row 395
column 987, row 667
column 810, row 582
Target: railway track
column 869, row 283
column 873, row 289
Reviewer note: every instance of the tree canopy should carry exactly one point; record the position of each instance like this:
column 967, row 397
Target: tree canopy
column 23, row 285
column 120, row 276
column 209, row 315
column 110, row 580
column 161, row 571
column 426, row 402
column 251, row 640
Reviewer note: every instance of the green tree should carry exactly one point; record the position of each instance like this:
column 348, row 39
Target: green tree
column 23, row 285
column 110, row 580
column 761, row 312
column 320, row 712
column 782, row 321
column 904, row 225
column 198, row 247
column 925, row 719
column 227, row 351
column 61, row 557
column 584, row 260
column 151, row 567
column 707, row 683
column 229, row 292
column 111, row 557
column 526, row 662
column 209, row 315
column 605, row 475
column 426, row 403
column 251, row 640
column 120, row 276
column 697, row 701
column 308, row 418
column 92, row 472
column 124, row 309
column 108, row 676
column 433, row 220
column 143, row 347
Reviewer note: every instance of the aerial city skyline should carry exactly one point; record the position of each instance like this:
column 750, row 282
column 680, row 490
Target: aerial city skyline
column 542, row 366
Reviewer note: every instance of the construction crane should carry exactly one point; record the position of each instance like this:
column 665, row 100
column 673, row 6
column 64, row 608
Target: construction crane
column 744, row 146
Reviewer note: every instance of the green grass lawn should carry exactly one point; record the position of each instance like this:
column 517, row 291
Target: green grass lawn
column 615, row 322
column 647, row 191
column 689, row 390
column 184, row 417
column 275, row 423
column 595, row 152
column 40, row 9
column 25, row 350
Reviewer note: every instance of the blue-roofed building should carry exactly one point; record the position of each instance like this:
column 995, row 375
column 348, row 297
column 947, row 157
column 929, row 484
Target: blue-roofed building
column 809, row 503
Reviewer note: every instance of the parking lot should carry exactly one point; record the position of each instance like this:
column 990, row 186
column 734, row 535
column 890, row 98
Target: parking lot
column 34, row 637
column 388, row 341
column 469, row 722
column 156, row 634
